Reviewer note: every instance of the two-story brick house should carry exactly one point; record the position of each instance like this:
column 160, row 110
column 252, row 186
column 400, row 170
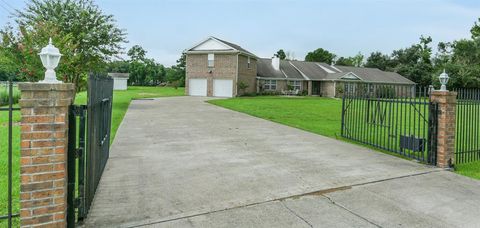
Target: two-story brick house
column 216, row 68
column 222, row 69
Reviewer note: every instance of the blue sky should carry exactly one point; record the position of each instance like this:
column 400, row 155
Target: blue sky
column 166, row 27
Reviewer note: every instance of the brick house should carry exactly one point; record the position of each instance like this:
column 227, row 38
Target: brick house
column 222, row 69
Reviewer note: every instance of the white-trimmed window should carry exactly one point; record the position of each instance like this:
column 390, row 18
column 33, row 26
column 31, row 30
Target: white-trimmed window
column 211, row 60
column 270, row 85
column 296, row 85
column 248, row 62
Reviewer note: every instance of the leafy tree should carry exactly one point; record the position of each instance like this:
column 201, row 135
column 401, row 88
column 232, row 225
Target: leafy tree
column 461, row 60
column 176, row 74
column 415, row 62
column 320, row 55
column 86, row 36
column 137, row 53
column 281, row 54
column 378, row 60
column 144, row 71
column 119, row 66
column 356, row 60
column 344, row 61
column 21, row 49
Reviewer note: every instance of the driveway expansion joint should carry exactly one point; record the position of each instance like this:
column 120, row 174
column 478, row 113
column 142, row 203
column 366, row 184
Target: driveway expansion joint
column 350, row 211
column 294, row 213
column 294, row 197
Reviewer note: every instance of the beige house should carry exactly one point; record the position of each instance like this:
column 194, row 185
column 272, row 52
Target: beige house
column 222, row 69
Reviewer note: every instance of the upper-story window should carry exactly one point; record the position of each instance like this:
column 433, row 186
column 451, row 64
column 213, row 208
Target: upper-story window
column 248, row 62
column 211, row 60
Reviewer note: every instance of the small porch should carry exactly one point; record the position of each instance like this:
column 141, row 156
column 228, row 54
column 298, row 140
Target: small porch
column 298, row 87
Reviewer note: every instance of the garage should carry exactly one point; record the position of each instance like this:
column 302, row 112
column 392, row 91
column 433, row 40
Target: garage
column 222, row 88
column 197, row 87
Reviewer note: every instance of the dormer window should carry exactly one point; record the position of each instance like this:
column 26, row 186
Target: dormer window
column 211, row 60
column 248, row 62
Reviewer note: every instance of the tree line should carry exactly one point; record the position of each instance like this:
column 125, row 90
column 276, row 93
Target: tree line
column 147, row 72
column 90, row 41
column 88, row 38
column 460, row 59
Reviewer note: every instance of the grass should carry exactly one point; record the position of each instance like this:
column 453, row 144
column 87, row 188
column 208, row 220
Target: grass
column 4, row 94
column 469, row 169
column 318, row 115
column 121, row 101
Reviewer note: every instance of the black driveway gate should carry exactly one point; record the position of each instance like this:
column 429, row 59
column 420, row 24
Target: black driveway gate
column 9, row 215
column 395, row 118
column 88, row 155
column 467, row 138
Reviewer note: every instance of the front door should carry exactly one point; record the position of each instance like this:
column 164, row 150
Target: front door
column 316, row 88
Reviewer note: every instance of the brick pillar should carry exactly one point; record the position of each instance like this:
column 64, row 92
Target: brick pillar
column 43, row 167
column 447, row 102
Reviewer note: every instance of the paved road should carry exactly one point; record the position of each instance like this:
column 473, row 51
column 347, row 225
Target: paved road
column 180, row 162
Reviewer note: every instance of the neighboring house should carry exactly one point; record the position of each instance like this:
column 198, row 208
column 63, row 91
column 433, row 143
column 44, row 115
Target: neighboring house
column 217, row 68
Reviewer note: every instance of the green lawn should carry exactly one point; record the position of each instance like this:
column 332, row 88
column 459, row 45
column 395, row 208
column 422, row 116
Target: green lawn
column 121, row 101
column 318, row 115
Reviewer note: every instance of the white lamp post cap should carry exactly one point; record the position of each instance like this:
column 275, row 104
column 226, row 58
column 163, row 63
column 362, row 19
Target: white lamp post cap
column 443, row 80
column 50, row 56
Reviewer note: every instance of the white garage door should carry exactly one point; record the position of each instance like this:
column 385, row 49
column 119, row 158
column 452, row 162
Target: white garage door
column 222, row 88
column 197, row 87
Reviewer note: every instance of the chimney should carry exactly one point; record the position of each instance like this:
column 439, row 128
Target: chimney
column 276, row 63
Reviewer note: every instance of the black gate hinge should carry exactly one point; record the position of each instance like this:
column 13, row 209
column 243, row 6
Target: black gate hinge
column 77, row 202
column 79, row 152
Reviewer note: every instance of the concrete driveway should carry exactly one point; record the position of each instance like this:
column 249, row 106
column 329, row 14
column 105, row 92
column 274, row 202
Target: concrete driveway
column 181, row 162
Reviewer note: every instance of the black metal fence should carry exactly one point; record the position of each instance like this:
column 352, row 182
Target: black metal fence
column 467, row 138
column 395, row 118
column 89, row 143
column 8, row 189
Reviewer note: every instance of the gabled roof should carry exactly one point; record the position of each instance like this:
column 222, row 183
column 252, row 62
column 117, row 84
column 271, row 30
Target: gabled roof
column 301, row 70
column 375, row 75
column 213, row 44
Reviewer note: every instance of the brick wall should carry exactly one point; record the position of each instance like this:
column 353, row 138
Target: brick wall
column 44, row 126
column 225, row 67
column 247, row 75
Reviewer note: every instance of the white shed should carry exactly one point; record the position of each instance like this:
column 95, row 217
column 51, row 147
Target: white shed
column 119, row 80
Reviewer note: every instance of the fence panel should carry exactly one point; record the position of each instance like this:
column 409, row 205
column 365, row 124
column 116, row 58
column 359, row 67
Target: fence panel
column 395, row 118
column 7, row 191
column 467, row 138
column 89, row 143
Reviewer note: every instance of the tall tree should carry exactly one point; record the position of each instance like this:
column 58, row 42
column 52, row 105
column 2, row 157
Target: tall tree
column 378, row 60
column 415, row 62
column 176, row 74
column 137, row 53
column 86, row 36
column 281, row 54
column 320, row 55
column 461, row 59
column 356, row 60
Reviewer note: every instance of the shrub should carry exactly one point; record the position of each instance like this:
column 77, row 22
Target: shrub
column 242, row 86
column 270, row 93
column 249, row 95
